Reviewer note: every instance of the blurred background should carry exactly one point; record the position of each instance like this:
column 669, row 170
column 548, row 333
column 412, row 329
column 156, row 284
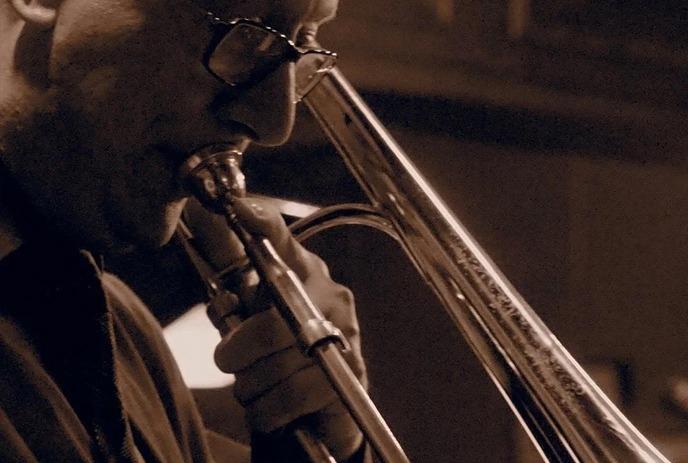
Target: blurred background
column 556, row 131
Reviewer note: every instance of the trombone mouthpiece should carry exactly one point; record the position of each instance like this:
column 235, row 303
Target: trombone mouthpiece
column 213, row 174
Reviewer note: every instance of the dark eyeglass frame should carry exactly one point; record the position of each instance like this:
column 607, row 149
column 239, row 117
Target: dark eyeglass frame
column 294, row 52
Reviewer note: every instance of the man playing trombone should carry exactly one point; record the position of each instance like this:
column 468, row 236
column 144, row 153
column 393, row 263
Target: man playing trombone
column 101, row 103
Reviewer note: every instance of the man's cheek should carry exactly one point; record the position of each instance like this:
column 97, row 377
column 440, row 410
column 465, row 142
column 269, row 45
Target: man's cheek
column 96, row 87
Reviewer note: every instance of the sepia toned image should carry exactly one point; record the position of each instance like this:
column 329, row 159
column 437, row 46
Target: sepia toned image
column 319, row 231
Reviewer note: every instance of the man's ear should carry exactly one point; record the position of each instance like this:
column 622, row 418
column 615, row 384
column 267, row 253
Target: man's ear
column 40, row 13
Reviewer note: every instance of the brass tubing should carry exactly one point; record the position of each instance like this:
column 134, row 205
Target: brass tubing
column 216, row 180
column 566, row 414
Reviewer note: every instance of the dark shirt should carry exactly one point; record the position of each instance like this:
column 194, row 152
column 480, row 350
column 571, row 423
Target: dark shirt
column 85, row 372
column 86, row 375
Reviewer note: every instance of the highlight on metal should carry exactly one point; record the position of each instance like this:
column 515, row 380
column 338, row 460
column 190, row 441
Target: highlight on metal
column 567, row 416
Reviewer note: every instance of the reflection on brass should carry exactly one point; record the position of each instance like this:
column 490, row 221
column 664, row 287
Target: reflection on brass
column 565, row 413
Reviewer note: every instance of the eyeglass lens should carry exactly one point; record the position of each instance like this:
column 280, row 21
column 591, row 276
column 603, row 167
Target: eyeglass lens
column 248, row 51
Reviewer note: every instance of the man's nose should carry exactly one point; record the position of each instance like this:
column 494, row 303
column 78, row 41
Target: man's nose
column 267, row 107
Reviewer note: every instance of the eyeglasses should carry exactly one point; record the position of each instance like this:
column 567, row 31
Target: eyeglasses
column 244, row 51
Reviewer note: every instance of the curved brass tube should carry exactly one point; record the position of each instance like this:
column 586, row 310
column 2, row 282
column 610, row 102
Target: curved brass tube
column 562, row 409
column 215, row 178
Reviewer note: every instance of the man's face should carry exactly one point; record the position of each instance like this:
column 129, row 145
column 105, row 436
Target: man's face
column 128, row 100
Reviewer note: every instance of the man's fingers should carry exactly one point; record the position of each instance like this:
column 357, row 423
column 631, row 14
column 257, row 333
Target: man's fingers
column 268, row 372
column 221, row 248
column 263, row 218
column 303, row 393
column 337, row 429
column 337, row 304
column 259, row 336
column 212, row 236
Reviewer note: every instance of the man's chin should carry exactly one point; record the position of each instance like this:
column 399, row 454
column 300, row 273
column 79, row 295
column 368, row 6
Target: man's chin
column 137, row 230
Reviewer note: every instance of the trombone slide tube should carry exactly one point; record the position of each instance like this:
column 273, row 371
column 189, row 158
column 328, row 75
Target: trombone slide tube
column 566, row 415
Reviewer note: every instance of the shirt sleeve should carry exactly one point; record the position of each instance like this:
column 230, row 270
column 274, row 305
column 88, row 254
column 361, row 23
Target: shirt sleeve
column 150, row 380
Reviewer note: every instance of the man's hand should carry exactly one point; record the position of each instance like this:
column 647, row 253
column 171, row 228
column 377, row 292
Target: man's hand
column 275, row 382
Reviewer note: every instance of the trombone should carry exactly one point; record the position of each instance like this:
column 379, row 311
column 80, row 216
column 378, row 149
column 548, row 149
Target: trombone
column 566, row 415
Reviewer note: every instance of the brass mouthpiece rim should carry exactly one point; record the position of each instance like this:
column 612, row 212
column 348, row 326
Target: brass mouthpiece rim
column 205, row 154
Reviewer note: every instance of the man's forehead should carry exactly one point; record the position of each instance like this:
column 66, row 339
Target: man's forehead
column 276, row 12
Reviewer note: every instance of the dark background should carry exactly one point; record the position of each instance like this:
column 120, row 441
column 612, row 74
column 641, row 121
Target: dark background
column 556, row 131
